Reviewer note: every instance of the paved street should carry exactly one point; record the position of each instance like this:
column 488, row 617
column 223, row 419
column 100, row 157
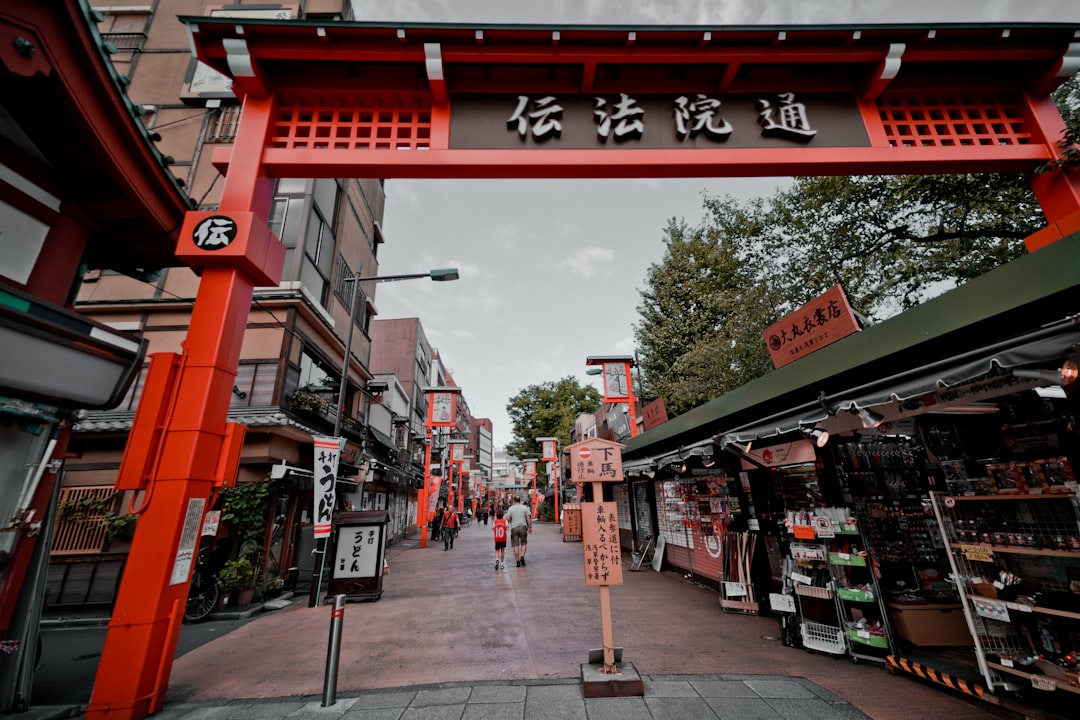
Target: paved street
column 448, row 619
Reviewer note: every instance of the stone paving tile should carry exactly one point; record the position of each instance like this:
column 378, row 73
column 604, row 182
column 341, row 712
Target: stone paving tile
column 494, row 711
column 399, row 699
column 442, row 696
column 801, row 709
column 740, row 708
column 555, row 710
column 314, row 709
column 779, row 689
column 723, row 688
column 379, row 713
column 497, row 694
column 821, row 692
column 669, row 688
column 434, row 712
column 546, row 693
column 678, row 708
column 617, row 709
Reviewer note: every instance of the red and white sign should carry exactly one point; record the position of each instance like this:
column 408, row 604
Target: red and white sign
column 584, row 453
column 327, row 452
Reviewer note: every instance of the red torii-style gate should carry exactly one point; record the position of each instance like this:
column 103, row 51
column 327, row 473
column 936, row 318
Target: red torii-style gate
column 403, row 101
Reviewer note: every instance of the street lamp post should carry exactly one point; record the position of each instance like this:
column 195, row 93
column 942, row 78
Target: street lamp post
column 618, row 386
column 437, row 275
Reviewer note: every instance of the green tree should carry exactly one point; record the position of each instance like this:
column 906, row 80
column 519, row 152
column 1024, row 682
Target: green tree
column 698, row 335
column 890, row 242
column 547, row 410
column 1067, row 98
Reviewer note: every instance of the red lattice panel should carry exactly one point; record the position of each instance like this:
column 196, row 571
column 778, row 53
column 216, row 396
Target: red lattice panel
column 357, row 128
column 951, row 120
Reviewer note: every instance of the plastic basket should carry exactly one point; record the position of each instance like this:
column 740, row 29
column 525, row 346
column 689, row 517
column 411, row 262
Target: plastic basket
column 823, row 638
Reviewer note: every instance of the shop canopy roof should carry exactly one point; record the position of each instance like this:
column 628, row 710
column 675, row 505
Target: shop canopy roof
column 1022, row 313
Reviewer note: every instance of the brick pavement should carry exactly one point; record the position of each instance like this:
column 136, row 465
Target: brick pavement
column 449, row 619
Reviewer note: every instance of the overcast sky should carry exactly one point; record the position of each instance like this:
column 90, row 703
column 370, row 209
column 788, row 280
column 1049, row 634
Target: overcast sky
column 551, row 269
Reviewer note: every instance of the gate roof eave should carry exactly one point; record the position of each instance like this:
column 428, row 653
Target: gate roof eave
column 1033, row 54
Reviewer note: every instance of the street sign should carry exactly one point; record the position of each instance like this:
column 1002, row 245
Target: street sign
column 596, row 460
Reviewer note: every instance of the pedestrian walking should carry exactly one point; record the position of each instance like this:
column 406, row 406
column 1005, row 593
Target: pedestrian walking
column 520, row 520
column 450, row 527
column 501, row 530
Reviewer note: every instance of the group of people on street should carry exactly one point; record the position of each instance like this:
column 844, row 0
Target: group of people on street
column 512, row 525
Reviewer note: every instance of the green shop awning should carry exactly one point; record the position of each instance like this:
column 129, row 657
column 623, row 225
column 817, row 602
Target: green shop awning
column 1021, row 313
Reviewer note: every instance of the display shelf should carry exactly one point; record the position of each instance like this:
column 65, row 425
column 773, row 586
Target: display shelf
column 1008, row 546
column 1037, row 680
column 851, row 595
column 1044, row 552
column 1013, row 498
column 865, row 638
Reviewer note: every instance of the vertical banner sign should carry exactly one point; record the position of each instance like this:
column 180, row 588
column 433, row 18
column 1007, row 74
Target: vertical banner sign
column 357, row 552
column 327, row 452
column 600, row 538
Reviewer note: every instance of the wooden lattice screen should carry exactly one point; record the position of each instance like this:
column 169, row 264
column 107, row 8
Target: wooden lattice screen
column 351, row 128
column 946, row 120
column 86, row 535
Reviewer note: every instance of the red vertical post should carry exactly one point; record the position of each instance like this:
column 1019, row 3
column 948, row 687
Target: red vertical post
column 1057, row 191
column 422, row 496
column 136, row 661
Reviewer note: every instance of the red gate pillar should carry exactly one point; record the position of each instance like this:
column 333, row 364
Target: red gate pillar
column 1058, row 192
column 133, row 674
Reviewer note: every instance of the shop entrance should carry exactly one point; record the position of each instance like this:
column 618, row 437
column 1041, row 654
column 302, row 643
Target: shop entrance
column 371, row 100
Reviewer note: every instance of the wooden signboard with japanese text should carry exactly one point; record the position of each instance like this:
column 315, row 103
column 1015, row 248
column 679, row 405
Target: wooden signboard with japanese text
column 822, row 321
column 600, row 539
column 596, row 460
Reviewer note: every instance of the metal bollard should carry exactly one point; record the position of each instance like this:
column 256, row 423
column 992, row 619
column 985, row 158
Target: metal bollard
column 333, row 652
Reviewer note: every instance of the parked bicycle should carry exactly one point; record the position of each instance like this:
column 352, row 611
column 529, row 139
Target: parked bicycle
column 205, row 587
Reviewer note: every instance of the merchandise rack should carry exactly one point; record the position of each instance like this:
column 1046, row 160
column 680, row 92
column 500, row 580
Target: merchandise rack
column 1031, row 536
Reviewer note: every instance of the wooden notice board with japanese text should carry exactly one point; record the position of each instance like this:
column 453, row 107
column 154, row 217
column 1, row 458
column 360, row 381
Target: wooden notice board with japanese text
column 600, row 538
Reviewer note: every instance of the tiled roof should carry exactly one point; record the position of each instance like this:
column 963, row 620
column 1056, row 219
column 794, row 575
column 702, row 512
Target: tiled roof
column 120, row 421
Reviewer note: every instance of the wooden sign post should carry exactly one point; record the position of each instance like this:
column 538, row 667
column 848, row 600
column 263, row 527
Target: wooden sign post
column 599, row 461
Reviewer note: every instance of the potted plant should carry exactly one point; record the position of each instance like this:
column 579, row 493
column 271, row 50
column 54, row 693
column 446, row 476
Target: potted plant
column 237, row 576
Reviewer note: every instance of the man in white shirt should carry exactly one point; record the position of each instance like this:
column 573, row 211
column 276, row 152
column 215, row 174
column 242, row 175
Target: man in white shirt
column 520, row 520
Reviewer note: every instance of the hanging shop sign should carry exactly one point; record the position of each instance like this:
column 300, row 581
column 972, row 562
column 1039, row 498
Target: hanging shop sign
column 791, row 453
column 655, row 413
column 821, row 322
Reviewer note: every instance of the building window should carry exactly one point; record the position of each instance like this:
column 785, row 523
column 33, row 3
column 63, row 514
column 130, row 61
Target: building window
column 222, row 125
column 344, row 287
